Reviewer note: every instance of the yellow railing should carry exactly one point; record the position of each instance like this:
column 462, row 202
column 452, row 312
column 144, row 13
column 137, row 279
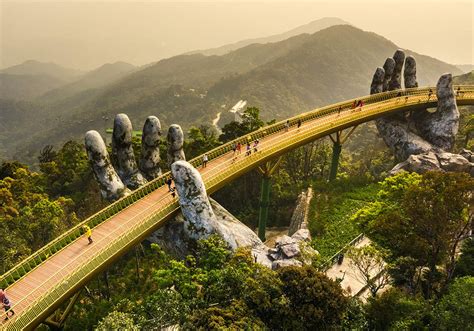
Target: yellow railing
column 331, row 119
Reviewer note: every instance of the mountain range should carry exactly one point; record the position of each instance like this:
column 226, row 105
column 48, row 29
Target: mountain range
column 310, row 28
column 281, row 78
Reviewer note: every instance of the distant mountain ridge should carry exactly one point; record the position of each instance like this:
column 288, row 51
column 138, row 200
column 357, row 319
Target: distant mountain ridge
column 282, row 79
column 309, row 28
column 94, row 79
column 466, row 68
column 33, row 67
column 26, row 86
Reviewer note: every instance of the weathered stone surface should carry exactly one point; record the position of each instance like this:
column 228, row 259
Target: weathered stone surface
column 201, row 221
column 396, row 80
column 122, row 153
column 418, row 163
column 400, row 140
column 441, row 126
column 454, row 162
column 288, row 246
column 111, row 186
column 175, row 144
column 409, row 73
column 302, row 235
column 150, row 155
column 299, row 218
column 388, row 68
column 286, row 263
column 377, row 81
column 469, row 155
column 175, row 240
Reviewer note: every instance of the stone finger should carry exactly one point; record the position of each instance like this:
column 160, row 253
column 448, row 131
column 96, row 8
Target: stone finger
column 175, row 140
column 122, row 153
column 111, row 186
column 150, row 154
column 396, row 80
column 409, row 72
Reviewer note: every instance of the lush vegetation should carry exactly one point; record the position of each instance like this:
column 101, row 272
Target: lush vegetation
column 331, row 211
column 418, row 223
column 213, row 289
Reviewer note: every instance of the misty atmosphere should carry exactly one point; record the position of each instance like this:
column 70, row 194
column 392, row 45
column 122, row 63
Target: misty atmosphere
column 228, row 165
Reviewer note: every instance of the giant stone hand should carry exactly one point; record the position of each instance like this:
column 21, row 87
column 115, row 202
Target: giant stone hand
column 200, row 216
column 113, row 183
column 421, row 140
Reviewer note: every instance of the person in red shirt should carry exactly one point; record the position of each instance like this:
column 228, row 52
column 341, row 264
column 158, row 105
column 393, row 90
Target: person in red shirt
column 6, row 304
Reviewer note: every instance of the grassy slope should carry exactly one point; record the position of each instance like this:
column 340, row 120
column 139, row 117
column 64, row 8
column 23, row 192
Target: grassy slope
column 330, row 211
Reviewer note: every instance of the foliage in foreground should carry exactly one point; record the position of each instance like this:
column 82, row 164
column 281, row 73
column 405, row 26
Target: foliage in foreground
column 217, row 289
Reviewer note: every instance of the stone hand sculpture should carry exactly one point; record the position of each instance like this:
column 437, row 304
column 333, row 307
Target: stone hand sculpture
column 420, row 140
column 120, row 173
column 200, row 217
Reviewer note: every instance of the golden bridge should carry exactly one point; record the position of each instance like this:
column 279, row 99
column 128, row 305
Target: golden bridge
column 41, row 283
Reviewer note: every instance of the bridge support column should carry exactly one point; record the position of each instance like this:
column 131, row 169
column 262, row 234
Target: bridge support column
column 56, row 321
column 267, row 171
column 337, row 141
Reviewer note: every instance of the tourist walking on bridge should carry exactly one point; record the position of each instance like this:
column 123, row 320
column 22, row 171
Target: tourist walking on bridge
column 239, row 148
column 169, row 181
column 88, row 232
column 299, row 123
column 204, row 160
column 249, row 149
column 287, row 125
column 6, row 304
column 255, row 145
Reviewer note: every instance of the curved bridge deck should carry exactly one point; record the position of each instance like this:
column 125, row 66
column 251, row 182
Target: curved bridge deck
column 42, row 282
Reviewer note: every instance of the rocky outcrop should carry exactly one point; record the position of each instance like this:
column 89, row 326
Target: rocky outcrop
column 110, row 184
column 150, row 155
column 175, row 139
column 441, row 161
column 122, row 153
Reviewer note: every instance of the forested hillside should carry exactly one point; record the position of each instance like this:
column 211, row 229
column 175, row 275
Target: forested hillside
column 33, row 67
column 282, row 79
column 310, row 28
column 94, row 79
column 18, row 87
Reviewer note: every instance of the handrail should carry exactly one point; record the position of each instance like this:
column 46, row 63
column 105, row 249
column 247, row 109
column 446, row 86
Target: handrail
column 272, row 147
column 333, row 259
column 63, row 240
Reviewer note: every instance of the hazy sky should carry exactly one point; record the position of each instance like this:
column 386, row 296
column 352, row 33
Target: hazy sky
column 86, row 34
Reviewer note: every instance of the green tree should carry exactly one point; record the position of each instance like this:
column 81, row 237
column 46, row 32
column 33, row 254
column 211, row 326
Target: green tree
column 396, row 310
column 423, row 218
column 465, row 264
column 315, row 301
column 455, row 311
column 117, row 321
column 200, row 139
column 371, row 267
column 250, row 122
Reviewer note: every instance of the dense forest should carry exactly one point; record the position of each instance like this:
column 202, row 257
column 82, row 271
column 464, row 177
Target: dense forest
column 427, row 256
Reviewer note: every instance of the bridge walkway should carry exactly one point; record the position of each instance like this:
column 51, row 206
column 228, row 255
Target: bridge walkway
column 41, row 290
